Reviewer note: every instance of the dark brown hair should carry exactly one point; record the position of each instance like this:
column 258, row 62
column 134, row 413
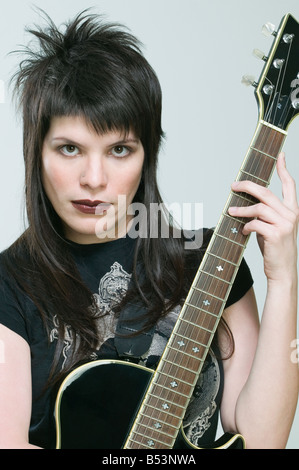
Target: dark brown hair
column 95, row 70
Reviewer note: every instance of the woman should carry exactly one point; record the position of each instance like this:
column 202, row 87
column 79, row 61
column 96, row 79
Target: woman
column 92, row 131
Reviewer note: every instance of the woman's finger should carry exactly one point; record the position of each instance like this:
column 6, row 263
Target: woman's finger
column 260, row 211
column 264, row 195
column 288, row 184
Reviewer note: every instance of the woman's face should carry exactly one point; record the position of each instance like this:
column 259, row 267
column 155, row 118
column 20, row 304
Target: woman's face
column 90, row 178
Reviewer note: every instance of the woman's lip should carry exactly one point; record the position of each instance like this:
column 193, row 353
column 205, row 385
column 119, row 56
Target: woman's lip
column 91, row 207
column 88, row 202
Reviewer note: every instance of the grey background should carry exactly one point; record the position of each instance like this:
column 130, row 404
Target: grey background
column 200, row 50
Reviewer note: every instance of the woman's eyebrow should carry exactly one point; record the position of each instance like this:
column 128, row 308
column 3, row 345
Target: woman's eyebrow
column 125, row 140
column 65, row 139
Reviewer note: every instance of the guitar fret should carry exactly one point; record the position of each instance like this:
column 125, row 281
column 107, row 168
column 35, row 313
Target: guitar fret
column 187, row 354
column 277, row 129
column 151, row 394
column 151, row 441
column 231, row 230
column 227, row 250
column 215, row 277
column 263, row 153
column 208, row 253
column 198, row 343
column 187, row 338
column 232, row 241
column 228, row 219
column 175, row 377
column 133, row 441
column 166, row 412
column 207, row 293
column 241, row 220
column 255, row 177
column 194, row 324
column 153, row 432
column 163, row 406
column 185, row 372
column 160, row 415
column 182, row 370
column 222, row 269
column 200, row 308
column 158, row 419
column 244, row 198
column 149, row 445
column 183, row 367
column 152, row 428
column 214, row 315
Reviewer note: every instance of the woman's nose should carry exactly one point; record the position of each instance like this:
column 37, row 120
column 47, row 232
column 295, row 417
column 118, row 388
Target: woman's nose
column 94, row 173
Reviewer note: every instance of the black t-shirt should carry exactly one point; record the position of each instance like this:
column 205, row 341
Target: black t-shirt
column 106, row 269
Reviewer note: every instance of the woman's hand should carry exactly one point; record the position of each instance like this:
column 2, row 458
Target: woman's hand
column 269, row 396
column 275, row 222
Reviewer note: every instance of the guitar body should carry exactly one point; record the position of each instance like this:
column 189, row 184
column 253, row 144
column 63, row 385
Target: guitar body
column 97, row 403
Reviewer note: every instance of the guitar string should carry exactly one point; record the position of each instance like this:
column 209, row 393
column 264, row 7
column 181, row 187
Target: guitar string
column 289, row 101
column 283, row 70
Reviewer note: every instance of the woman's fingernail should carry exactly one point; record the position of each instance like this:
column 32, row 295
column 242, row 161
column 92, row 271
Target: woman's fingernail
column 232, row 210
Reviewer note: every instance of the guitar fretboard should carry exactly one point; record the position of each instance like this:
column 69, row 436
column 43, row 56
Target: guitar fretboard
column 160, row 416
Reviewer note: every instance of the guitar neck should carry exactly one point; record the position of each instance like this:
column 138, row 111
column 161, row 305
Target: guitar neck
column 162, row 411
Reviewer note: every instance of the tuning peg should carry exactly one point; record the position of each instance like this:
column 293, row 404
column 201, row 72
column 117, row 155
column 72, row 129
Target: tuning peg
column 268, row 30
column 287, row 38
column 248, row 80
column 259, row 54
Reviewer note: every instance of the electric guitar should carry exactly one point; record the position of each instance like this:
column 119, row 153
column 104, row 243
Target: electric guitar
column 110, row 404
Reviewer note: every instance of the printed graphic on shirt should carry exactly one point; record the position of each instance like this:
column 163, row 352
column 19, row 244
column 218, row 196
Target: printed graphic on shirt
column 68, row 339
column 203, row 403
column 112, row 288
column 202, row 407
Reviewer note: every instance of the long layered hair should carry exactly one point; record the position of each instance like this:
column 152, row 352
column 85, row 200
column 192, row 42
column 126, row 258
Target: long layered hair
column 97, row 71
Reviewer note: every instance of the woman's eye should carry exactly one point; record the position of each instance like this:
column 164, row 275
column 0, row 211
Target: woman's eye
column 69, row 150
column 120, row 151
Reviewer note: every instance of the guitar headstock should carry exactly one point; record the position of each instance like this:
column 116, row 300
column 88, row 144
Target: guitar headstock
column 277, row 90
